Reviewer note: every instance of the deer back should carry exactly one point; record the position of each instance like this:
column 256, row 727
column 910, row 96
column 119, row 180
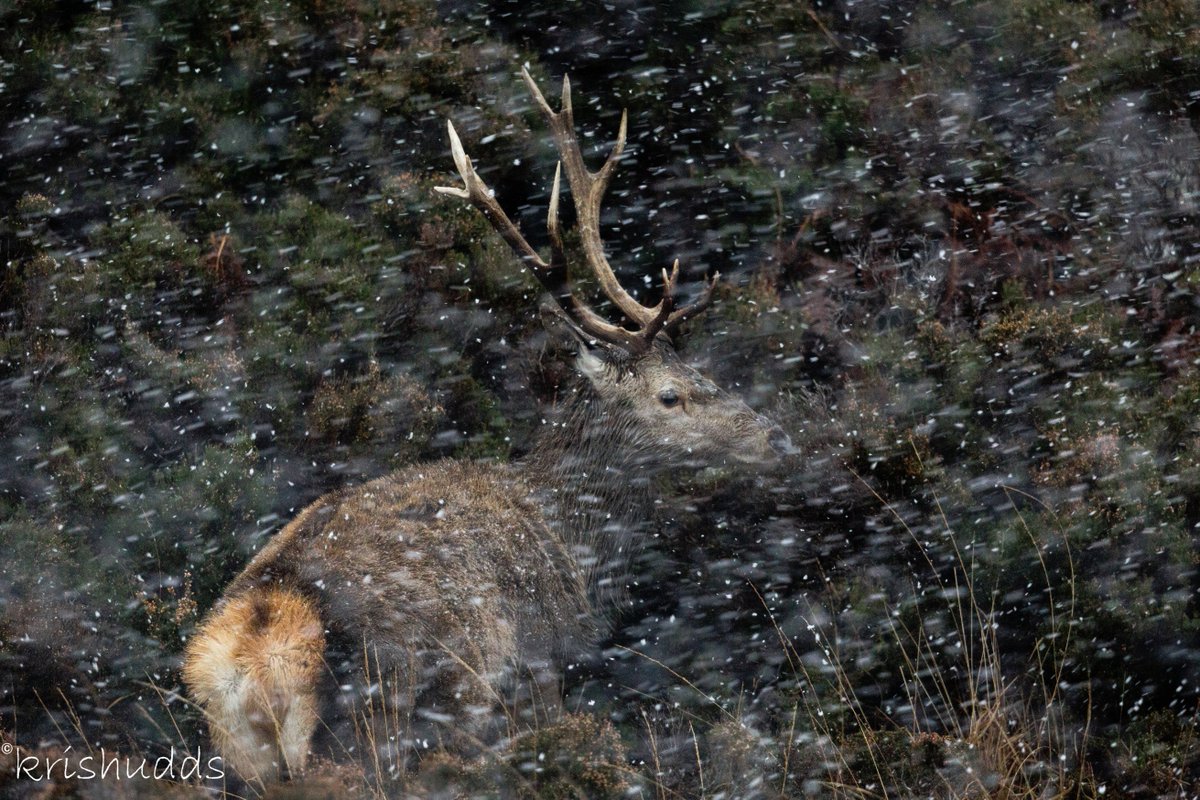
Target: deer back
column 433, row 557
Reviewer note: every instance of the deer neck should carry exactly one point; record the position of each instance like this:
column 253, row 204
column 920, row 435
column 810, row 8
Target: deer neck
column 595, row 484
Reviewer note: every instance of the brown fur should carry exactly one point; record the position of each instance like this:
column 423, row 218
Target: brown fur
column 438, row 583
column 449, row 577
column 445, row 572
column 254, row 666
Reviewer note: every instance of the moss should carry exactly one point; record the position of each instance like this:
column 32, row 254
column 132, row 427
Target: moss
column 842, row 118
column 35, row 547
column 476, row 412
column 900, row 466
column 579, row 757
column 900, row 758
column 149, row 248
column 375, row 411
column 196, row 517
column 321, row 250
column 445, row 775
column 1046, row 333
column 737, row 759
column 1161, row 754
column 61, row 303
column 171, row 610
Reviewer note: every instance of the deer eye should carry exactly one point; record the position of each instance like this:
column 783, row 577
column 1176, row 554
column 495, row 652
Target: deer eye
column 669, row 398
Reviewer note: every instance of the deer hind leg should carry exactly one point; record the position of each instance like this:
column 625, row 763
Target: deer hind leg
column 475, row 674
column 254, row 667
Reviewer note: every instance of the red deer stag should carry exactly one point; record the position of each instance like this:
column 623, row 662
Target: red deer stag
column 453, row 576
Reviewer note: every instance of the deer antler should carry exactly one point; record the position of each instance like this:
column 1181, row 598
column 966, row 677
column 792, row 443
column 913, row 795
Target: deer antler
column 553, row 275
column 587, row 188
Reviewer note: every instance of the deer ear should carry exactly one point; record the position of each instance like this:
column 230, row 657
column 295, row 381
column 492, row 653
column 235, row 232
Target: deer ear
column 589, row 363
column 589, row 355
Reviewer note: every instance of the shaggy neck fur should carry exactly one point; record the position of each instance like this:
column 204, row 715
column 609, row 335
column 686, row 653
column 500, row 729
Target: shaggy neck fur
column 599, row 474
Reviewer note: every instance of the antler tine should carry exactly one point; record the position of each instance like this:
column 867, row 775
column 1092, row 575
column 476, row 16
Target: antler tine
column 662, row 312
column 552, row 276
column 480, row 196
column 558, row 254
column 589, row 320
column 610, row 164
column 568, row 110
column 587, row 189
column 538, row 97
column 692, row 309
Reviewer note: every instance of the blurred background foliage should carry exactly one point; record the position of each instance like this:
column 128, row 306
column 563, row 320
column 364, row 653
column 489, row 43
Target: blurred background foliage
column 961, row 258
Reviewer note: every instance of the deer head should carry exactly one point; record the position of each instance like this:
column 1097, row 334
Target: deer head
column 664, row 408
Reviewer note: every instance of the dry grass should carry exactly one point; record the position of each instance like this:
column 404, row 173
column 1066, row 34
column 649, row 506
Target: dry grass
column 976, row 731
column 981, row 725
column 992, row 736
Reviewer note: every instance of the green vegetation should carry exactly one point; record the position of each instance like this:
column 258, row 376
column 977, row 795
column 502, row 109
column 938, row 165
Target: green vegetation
column 960, row 250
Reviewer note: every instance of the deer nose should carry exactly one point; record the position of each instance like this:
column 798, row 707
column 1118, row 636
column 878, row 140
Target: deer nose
column 780, row 442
